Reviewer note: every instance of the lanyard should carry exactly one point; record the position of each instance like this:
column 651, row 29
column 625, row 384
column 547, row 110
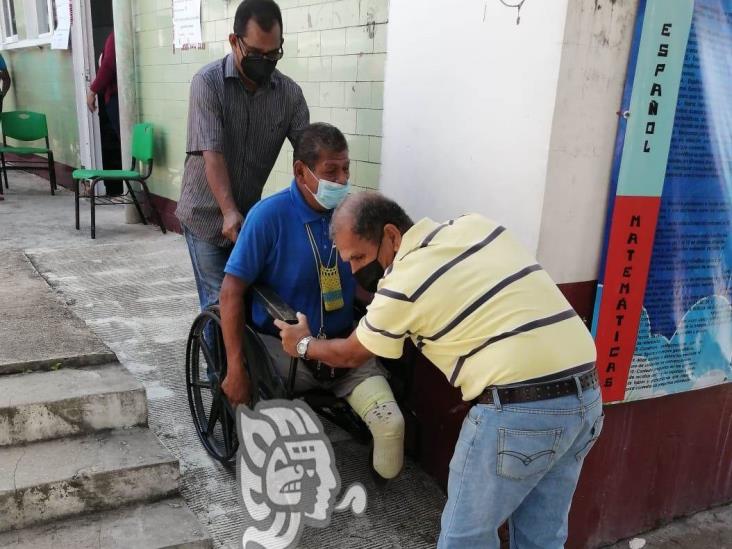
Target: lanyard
column 329, row 280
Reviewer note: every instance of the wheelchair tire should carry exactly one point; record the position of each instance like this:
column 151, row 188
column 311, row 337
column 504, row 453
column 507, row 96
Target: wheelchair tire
column 213, row 417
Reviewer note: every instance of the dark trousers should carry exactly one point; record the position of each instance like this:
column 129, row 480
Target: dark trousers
column 109, row 125
column 111, row 107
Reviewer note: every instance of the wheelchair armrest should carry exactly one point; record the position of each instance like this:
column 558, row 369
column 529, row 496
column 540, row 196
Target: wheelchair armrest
column 274, row 304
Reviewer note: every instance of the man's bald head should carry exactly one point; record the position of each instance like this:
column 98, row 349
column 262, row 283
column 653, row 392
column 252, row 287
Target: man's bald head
column 365, row 214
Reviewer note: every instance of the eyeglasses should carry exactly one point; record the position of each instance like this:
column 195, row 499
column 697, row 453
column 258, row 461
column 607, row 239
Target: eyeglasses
column 275, row 55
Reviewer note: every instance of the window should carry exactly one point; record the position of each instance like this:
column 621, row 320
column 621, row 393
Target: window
column 10, row 29
column 26, row 23
column 45, row 13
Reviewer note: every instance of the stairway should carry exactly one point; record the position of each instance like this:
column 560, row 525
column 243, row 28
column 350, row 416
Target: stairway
column 78, row 465
column 75, row 448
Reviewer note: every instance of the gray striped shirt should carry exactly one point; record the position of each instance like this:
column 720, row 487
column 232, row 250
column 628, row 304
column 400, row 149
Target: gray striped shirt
column 248, row 128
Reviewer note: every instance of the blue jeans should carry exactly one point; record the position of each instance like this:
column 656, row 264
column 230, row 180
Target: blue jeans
column 208, row 262
column 519, row 462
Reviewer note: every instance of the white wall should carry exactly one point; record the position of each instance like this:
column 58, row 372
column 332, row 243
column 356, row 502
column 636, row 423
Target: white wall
column 468, row 105
column 598, row 36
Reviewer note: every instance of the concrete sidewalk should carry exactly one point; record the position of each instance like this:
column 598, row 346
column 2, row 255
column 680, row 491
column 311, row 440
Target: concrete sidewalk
column 710, row 529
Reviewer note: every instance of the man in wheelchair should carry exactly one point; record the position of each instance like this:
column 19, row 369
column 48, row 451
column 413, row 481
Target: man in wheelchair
column 285, row 245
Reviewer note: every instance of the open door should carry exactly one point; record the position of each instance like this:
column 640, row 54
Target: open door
column 82, row 45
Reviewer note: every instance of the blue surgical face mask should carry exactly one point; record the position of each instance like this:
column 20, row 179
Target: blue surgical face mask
column 330, row 194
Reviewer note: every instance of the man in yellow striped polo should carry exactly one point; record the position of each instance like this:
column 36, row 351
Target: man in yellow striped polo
column 477, row 305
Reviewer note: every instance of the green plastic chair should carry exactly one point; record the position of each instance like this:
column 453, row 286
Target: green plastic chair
column 142, row 154
column 26, row 126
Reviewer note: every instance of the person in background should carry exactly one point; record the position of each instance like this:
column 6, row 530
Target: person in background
column 105, row 84
column 104, row 88
column 5, row 81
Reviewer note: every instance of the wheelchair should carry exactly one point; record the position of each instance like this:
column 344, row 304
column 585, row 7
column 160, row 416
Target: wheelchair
column 214, row 418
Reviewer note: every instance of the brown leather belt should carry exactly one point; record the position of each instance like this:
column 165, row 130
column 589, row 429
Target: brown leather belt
column 541, row 390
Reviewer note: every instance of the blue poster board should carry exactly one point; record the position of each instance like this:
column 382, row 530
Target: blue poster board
column 685, row 332
column 682, row 334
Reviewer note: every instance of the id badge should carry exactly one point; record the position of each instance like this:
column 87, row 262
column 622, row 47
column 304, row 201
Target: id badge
column 330, row 282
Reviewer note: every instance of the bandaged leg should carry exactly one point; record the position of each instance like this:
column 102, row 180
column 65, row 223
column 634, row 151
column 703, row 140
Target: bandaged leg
column 374, row 402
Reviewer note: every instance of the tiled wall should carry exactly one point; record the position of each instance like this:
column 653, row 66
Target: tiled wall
column 335, row 50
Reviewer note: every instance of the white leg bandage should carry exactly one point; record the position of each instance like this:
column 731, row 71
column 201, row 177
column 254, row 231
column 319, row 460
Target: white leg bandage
column 374, row 401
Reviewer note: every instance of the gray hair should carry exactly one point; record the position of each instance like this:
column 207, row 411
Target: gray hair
column 369, row 212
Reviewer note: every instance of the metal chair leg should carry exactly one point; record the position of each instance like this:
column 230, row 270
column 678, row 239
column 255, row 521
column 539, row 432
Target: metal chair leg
column 134, row 199
column 52, row 172
column 5, row 172
column 158, row 218
column 93, row 199
column 76, row 201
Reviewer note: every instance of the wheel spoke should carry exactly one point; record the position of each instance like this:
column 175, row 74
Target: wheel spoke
column 207, row 354
column 214, row 415
column 227, row 430
column 201, row 384
column 220, row 350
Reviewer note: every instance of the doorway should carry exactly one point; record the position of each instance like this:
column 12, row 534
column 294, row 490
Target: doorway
column 91, row 24
column 102, row 25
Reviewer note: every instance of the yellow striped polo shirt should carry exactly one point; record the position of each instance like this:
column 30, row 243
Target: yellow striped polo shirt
column 477, row 305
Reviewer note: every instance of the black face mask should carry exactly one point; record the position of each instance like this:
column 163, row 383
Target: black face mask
column 257, row 69
column 369, row 275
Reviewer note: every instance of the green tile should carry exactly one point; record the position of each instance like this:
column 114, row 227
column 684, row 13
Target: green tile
column 344, row 68
column 374, row 11
column 358, row 40
column 308, row 44
column 295, row 67
column 375, row 149
column 358, row 147
column 345, row 13
column 213, row 10
column 358, row 94
column 311, row 91
column 320, row 16
column 319, row 69
column 380, row 34
column 344, row 119
column 377, row 95
column 332, row 94
column 369, row 122
column 319, row 114
column 368, row 175
column 371, row 67
column 333, row 42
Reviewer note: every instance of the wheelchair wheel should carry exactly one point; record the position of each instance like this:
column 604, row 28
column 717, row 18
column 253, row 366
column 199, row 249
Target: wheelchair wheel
column 213, row 417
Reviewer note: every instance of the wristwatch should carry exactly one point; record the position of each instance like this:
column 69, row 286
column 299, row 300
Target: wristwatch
column 302, row 346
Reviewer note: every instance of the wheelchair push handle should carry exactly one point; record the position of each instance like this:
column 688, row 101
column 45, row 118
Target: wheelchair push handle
column 275, row 306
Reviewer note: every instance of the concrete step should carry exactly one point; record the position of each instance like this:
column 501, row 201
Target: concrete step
column 49, row 480
column 69, row 401
column 166, row 524
column 38, row 330
column 57, row 361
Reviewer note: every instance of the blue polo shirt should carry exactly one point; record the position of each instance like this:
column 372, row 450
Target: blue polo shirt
column 273, row 249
